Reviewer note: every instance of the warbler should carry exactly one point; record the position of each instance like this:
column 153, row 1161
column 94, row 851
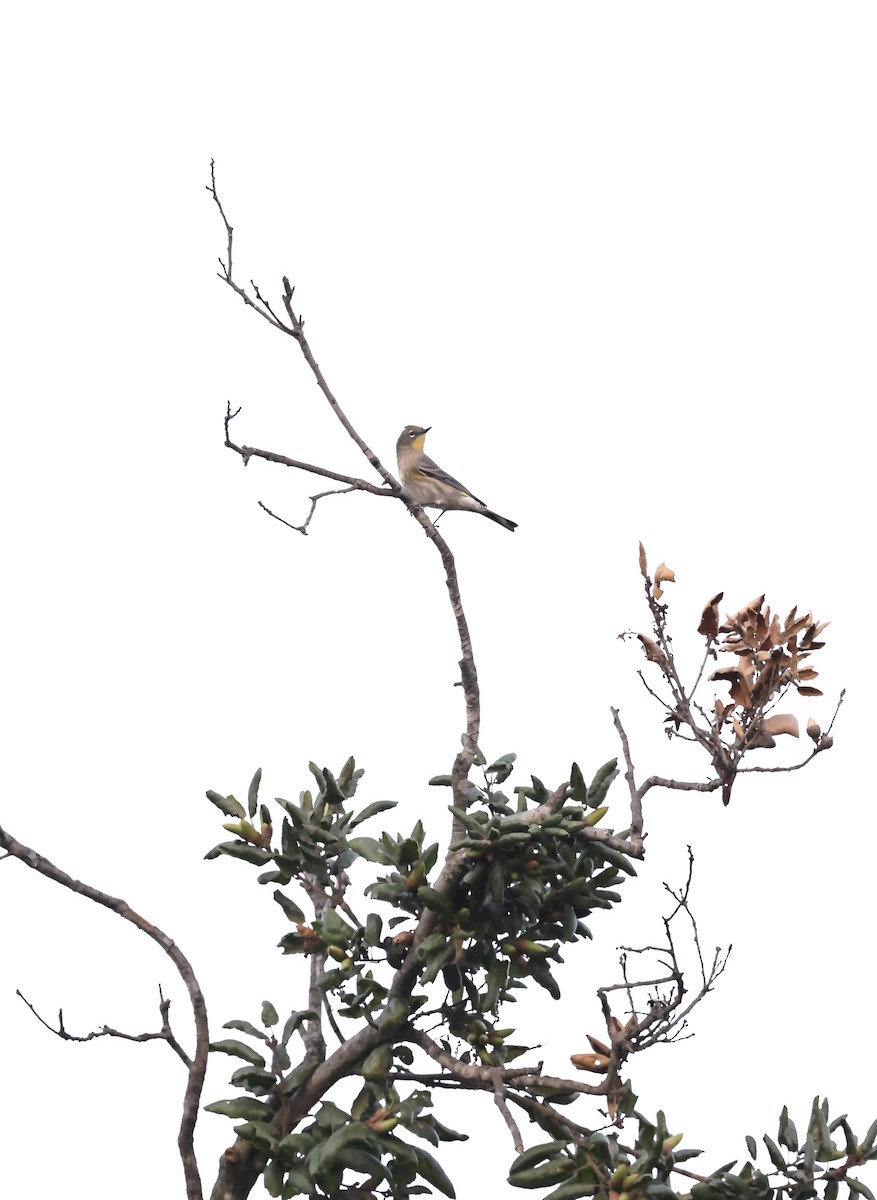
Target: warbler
column 427, row 483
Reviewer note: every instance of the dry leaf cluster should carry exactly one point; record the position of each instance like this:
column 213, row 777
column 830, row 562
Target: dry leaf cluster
column 772, row 657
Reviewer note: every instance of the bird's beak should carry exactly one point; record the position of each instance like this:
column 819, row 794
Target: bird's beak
column 427, row 429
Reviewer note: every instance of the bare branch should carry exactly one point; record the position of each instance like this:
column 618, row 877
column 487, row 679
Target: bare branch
column 331, row 1016
column 165, row 1034
column 666, row 1019
column 258, row 305
column 469, row 677
column 679, row 785
column 636, row 808
column 197, row 1065
column 313, row 499
column 500, row 1101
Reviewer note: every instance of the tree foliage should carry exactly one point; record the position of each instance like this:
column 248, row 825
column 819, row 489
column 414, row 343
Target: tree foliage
column 415, row 951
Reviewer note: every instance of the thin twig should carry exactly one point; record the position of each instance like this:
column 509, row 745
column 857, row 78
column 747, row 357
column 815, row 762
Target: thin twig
column 164, row 1033
column 313, row 499
column 327, row 1007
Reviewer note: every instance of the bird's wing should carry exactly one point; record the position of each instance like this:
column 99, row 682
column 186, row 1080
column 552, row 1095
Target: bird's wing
column 434, row 471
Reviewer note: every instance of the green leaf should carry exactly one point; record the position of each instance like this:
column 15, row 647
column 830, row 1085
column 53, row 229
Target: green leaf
column 684, row 1153
column 501, row 768
column 430, row 1170
column 330, row 1117
column 555, row 1170
column 849, row 1137
column 269, row 1014
column 255, row 1079
column 350, row 777
column 351, row 1133
column 436, row 901
column 227, row 804
column 335, row 930
column 368, row 848
column 242, row 1107
column 259, row 1132
column 537, row 1154
column 292, row 910
column 251, row 854
column 445, row 1133
column 253, row 792
column 293, row 943
column 577, row 788
column 298, row 1075
column 539, row 970
column 330, row 979
column 441, row 781
column 274, row 877
column 371, row 810
column 296, row 1143
column 294, row 1021
column 601, row 781
column 861, row 1189
column 239, row 1050
column 788, row 1134
column 584, row 1184
column 298, row 1183
column 246, row 1027
column 362, row 1161
column 273, row 1177
column 332, row 791
column 776, row 1156
column 615, row 857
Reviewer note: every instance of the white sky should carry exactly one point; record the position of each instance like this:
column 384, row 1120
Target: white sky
column 622, row 259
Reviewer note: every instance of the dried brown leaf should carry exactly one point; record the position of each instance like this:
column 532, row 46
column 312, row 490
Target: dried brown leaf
column 597, row 1046
column 612, row 1100
column 795, row 627
column 643, row 565
column 740, row 690
column 709, row 621
column 598, row 1063
column 780, row 723
column 654, row 653
column 814, row 632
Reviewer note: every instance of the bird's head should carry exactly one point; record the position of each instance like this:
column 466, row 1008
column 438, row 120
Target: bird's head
column 412, row 437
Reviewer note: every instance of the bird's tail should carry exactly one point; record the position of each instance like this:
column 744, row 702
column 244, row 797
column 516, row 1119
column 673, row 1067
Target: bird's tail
column 504, row 521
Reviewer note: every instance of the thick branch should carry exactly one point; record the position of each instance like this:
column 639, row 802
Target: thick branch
column 636, row 808
column 483, row 1078
column 198, row 1064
